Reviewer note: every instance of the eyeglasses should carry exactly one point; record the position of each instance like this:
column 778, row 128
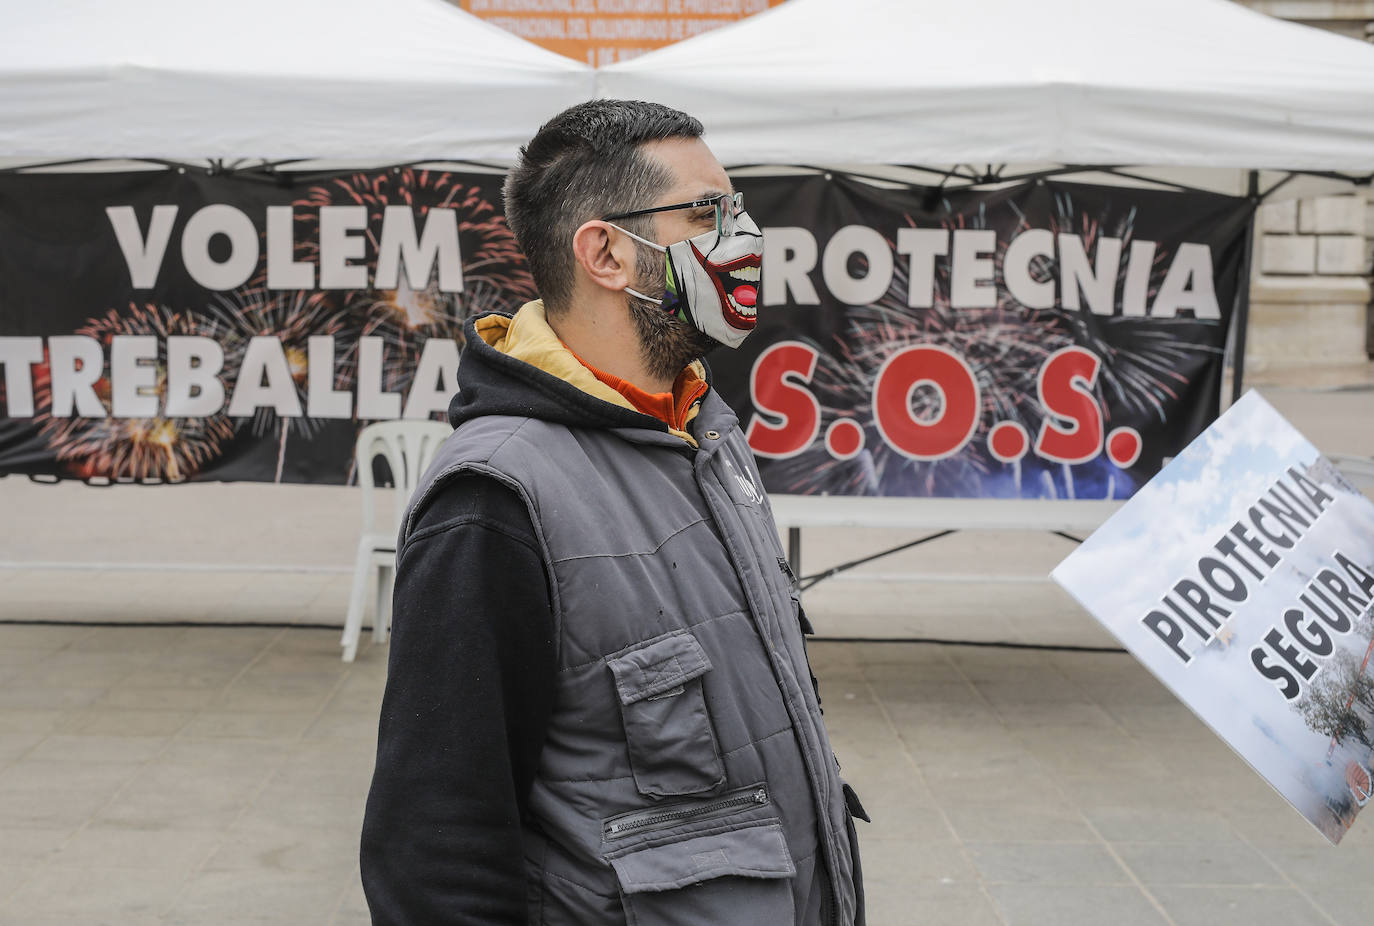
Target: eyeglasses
column 728, row 207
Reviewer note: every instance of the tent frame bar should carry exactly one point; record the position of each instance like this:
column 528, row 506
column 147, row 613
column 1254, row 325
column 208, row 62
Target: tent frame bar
column 1242, row 306
column 974, row 178
column 996, row 176
column 246, row 168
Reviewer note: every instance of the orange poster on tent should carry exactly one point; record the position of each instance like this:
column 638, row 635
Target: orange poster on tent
column 605, row 31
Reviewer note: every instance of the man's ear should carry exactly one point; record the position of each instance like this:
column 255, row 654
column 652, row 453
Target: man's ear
column 605, row 254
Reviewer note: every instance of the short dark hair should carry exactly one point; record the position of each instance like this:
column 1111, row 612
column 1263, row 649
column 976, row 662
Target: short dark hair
column 582, row 164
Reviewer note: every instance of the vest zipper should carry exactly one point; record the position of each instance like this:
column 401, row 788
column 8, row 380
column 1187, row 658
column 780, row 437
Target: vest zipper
column 818, row 778
column 651, row 819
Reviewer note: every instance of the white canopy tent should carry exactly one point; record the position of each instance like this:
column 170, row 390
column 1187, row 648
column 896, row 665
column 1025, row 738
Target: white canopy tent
column 1189, row 83
column 354, row 80
column 1165, row 83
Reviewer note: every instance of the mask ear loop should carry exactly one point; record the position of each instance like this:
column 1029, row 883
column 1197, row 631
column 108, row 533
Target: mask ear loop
column 638, row 294
column 656, row 246
column 653, row 244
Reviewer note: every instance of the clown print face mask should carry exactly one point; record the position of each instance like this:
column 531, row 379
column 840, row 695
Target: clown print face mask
column 713, row 278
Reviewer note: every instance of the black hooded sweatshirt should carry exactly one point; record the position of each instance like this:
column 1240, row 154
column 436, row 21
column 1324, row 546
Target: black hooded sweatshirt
column 470, row 675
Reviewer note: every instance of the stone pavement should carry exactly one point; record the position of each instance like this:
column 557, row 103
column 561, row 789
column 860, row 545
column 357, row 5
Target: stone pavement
column 215, row 774
column 212, row 775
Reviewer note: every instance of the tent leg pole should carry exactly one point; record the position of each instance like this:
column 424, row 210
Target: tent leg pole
column 1242, row 321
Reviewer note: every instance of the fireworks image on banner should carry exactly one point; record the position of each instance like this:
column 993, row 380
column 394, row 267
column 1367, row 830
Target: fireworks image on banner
column 1143, row 380
column 292, row 317
column 483, row 270
column 494, row 274
column 157, row 449
column 1005, row 346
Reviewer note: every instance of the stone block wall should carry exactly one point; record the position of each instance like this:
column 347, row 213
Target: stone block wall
column 1310, row 290
column 1309, row 295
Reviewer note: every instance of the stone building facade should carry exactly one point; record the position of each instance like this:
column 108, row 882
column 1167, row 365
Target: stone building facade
column 1310, row 291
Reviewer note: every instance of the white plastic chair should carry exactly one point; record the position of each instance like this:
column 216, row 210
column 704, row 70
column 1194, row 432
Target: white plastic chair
column 408, row 447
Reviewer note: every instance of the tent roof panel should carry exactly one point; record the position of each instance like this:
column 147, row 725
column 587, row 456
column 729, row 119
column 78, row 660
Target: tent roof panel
column 1197, row 82
column 360, row 79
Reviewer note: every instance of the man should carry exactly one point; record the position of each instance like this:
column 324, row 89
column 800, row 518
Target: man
column 599, row 708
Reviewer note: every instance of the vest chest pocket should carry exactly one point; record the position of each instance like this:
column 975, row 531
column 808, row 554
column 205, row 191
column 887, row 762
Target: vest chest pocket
column 668, row 732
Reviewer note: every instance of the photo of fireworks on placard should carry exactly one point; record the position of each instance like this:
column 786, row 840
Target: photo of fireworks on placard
column 494, row 274
column 1005, row 346
column 158, row 449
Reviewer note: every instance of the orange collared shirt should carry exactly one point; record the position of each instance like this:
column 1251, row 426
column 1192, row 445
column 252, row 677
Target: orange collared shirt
column 672, row 408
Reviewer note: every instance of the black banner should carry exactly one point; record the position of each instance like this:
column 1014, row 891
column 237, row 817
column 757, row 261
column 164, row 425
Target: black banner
column 1042, row 340
column 163, row 326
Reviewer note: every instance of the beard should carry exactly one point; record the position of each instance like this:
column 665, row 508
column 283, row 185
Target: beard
column 667, row 343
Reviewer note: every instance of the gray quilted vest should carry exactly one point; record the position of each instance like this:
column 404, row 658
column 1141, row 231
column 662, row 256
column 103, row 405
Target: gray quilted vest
column 686, row 776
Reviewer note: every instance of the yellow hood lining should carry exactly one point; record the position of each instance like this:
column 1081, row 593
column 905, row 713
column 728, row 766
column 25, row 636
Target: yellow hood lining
column 527, row 337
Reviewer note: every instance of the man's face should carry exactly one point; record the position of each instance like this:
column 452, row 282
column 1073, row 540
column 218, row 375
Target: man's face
column 670, row 343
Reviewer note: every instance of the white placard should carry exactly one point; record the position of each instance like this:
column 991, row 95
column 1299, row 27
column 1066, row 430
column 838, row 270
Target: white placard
column 1242, row 576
